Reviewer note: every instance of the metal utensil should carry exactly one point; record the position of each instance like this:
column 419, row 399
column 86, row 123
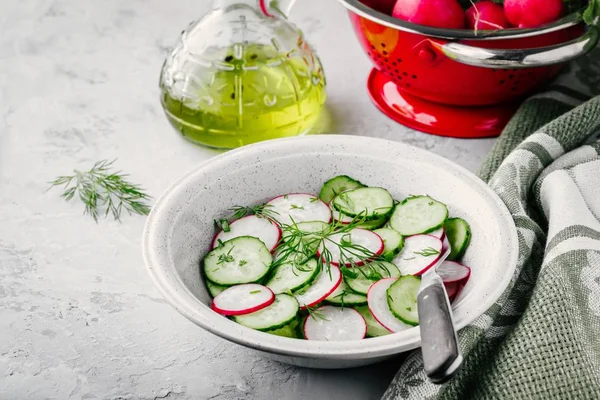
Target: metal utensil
column 439, row 341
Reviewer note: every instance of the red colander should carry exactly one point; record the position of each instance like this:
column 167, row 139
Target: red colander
column 460, row 83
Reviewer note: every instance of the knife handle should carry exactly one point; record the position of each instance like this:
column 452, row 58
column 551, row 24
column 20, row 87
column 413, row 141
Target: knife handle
column 439, row 342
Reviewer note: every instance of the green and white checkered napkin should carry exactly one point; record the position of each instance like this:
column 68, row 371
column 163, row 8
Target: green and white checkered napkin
column 541, row 339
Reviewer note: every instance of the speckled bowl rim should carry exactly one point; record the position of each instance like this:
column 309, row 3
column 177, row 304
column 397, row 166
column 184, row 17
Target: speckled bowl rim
column 199, row 313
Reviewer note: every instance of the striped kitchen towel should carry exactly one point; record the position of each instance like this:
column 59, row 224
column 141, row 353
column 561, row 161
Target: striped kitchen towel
column 541, row 339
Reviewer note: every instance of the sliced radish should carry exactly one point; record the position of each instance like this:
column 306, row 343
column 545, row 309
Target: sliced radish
column 459, row 288
column 420, row 252
column 378, row 305
column 439, row 233
column 324, row 284
column 262, row 228
column 243, row 299
column 451, row 289
column 299, row 207
column 351, row 248
column 341, row 217
column 445, row 244
column 451, row 271
column 335, row 324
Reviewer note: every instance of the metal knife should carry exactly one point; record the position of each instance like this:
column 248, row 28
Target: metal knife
column 439, row 342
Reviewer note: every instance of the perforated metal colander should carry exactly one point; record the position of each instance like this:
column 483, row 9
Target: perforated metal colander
column 425, row 77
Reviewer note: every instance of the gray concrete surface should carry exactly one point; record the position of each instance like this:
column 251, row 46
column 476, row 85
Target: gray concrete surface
column 79, row 317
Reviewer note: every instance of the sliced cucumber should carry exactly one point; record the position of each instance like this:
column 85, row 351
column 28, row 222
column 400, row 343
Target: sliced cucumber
column 214, row 289
column 290, row 330
column 244, row 259
column 337, row 185
column 402, row 299
column 346, row 220
column 280, row 313
column 371, row 273
column 418, row 214
column 392, row 242
column 458, row 232
column 373, row 224
column 374, row 328
column 343, row 296
column 289, row 277
column 378, row 305
column 368, row 203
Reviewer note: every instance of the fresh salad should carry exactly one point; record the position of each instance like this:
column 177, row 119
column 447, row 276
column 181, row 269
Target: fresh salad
column 341, row 265
column 485, row 14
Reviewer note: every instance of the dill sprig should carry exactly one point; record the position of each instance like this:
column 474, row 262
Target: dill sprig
column 427, row 251
column 237, row 212
column 100, row 188
column 298, row 244
column 313, row 312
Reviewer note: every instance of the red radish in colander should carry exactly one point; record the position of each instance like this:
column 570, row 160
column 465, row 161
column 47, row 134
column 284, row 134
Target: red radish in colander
column 532, row 13
column 486, row 15
column 437, row 13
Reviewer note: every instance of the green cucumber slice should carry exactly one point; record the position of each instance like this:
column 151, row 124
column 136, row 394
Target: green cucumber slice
column 289, row 277
column 369, row 203
column 337, row 185
column 369, row 274
column 374, row 328
column 418, row 214
column 402, row 299
column 244, row 259
column 373, row 224
column 458, row 232
column 343, row 296
column 280, row 313
column 290, row 330
column 213, row 289
column 393, row 242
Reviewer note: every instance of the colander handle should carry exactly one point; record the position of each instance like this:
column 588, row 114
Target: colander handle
column 521, row 58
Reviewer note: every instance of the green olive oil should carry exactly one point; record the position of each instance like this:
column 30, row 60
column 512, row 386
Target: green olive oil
column 259, row 96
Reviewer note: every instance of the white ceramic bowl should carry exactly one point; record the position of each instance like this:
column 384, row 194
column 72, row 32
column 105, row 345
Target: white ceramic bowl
column 180, row 229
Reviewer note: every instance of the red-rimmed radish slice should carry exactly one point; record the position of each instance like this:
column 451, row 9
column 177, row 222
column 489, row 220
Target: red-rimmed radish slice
column 335, row 324
column 262, row 228
column 341, row 217
column 298, row 207
column 351, row 248
column 439, row 233
column 451, row 289
column 420, row 252
column 324, row 284
column 445, row 244
column 243, row 299
column 378, row 305
column 451, row 271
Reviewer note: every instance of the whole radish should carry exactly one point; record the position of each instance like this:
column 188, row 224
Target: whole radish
column 486, row 15
column 532, row 13
column 436, row 13
column 384, row 6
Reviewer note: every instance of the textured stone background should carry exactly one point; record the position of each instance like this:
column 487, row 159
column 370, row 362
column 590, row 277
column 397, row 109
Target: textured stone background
column 79, row 317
